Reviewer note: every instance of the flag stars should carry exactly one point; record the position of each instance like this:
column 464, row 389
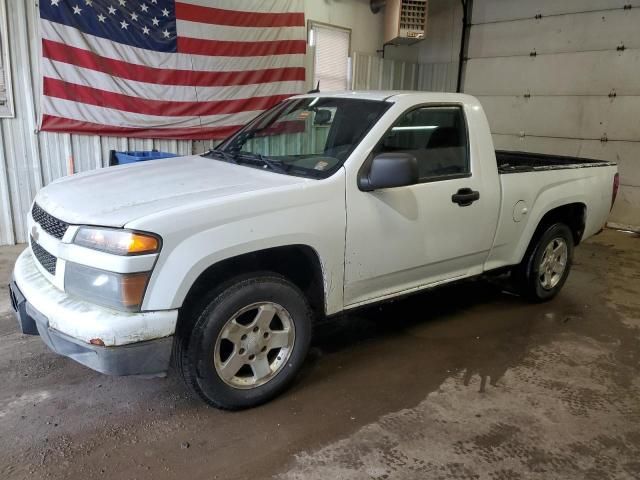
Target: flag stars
column 77, row 10
column 112, row 11
column 144, row 7
column 101, row 18
column 165, row 33
column 165, row 12
column 155, row 2
column 124, row 25
column 88, row 3
column 122, row 3
column 54, row 3
column 146, row 30
column 134, row 16
column 155, row 21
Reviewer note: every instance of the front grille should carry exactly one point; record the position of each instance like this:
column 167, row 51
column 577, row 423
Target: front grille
column 50, row 224
column 47, row 260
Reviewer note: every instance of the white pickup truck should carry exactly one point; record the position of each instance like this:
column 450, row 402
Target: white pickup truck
column 322, row 204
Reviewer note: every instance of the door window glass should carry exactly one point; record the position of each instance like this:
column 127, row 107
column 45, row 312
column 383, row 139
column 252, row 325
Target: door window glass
column 436, row 136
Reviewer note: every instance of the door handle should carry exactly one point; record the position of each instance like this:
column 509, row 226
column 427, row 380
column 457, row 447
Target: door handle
column 465, row 197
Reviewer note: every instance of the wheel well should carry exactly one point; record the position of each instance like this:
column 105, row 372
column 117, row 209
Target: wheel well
column 299, row 264
column 573, row 215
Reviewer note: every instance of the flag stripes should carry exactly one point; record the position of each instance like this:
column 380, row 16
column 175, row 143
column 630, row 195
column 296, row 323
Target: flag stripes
column 167, row 69
column 79, row 57
column 151, row 91
column 57, row 124
column 128, row 103
column 218, row 16
column 240, row 49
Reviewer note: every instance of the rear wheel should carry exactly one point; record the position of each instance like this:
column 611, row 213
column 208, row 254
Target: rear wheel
column 546, row 265
column 248, row 343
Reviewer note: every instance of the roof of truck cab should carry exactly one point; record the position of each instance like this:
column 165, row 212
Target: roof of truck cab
column 391, row 95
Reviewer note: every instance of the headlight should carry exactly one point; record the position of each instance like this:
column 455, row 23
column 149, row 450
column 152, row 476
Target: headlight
column 122, row 291
column 117, row 241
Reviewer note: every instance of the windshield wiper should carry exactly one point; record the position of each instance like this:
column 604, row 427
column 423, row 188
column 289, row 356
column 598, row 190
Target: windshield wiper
column 274, row 165
column 225, row 156
column 254, row 158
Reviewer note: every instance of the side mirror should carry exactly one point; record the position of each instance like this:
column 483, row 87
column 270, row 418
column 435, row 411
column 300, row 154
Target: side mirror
column 389, row 170
column 322, row 117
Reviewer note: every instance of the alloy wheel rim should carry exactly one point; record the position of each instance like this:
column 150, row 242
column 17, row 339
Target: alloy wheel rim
column 254, row 345
column 553, row 263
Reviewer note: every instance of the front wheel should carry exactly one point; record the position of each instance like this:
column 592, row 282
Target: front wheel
column 248, row 343
column 546, row 266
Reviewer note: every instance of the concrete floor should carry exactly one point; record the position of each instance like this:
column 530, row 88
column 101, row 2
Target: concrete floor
column 462, row 382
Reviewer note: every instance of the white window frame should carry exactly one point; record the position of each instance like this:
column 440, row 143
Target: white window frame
column 6, row 110
column 312, row 39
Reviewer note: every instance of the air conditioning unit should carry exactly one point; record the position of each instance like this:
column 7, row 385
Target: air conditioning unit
column 405, row 21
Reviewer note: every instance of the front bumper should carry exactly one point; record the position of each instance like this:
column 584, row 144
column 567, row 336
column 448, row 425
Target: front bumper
column 135, row 343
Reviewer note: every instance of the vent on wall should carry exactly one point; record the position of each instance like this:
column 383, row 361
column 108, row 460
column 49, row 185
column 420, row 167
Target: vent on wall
column 405, row 21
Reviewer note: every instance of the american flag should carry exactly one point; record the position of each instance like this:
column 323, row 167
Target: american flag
column 189, row 69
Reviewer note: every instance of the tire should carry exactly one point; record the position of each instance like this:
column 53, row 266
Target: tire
column 247, row 343
column 540, row 279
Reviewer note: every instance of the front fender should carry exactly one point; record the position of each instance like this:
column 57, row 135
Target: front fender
column 313, row 216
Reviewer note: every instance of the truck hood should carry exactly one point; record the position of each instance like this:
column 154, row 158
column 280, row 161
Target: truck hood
column 115, row 196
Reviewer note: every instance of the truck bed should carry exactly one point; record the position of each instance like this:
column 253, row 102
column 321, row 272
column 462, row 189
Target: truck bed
column 516, row 162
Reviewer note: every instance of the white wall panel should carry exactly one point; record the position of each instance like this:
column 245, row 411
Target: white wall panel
column 506, row 10
column 580, row 32
column 7, row 236
column 625, row 213
column 563, row 116
column 582, row 73
column 442, row 38
column 371, row 72
column 437, row 77
column 57, row 148
column 558, row 101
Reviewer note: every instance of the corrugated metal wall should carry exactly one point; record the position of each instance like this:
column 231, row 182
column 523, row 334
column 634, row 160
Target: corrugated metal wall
column 562, row 77
column 31, row 159
column 375, row 73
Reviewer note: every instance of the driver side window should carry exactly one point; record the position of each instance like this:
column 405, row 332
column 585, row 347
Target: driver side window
column 436, row 136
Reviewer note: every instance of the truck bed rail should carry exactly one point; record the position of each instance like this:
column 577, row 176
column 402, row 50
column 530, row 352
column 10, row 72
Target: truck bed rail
column 517, row 162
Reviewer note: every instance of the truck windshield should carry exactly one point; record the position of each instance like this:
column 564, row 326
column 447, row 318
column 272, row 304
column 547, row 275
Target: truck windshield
column 310, row 137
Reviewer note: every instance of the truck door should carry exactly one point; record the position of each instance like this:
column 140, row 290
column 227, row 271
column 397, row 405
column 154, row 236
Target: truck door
column 442, row 228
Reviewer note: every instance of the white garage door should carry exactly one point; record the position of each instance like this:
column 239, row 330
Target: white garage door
column 562, row 77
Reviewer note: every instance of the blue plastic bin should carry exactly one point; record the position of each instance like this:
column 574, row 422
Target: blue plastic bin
column 122, row 158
